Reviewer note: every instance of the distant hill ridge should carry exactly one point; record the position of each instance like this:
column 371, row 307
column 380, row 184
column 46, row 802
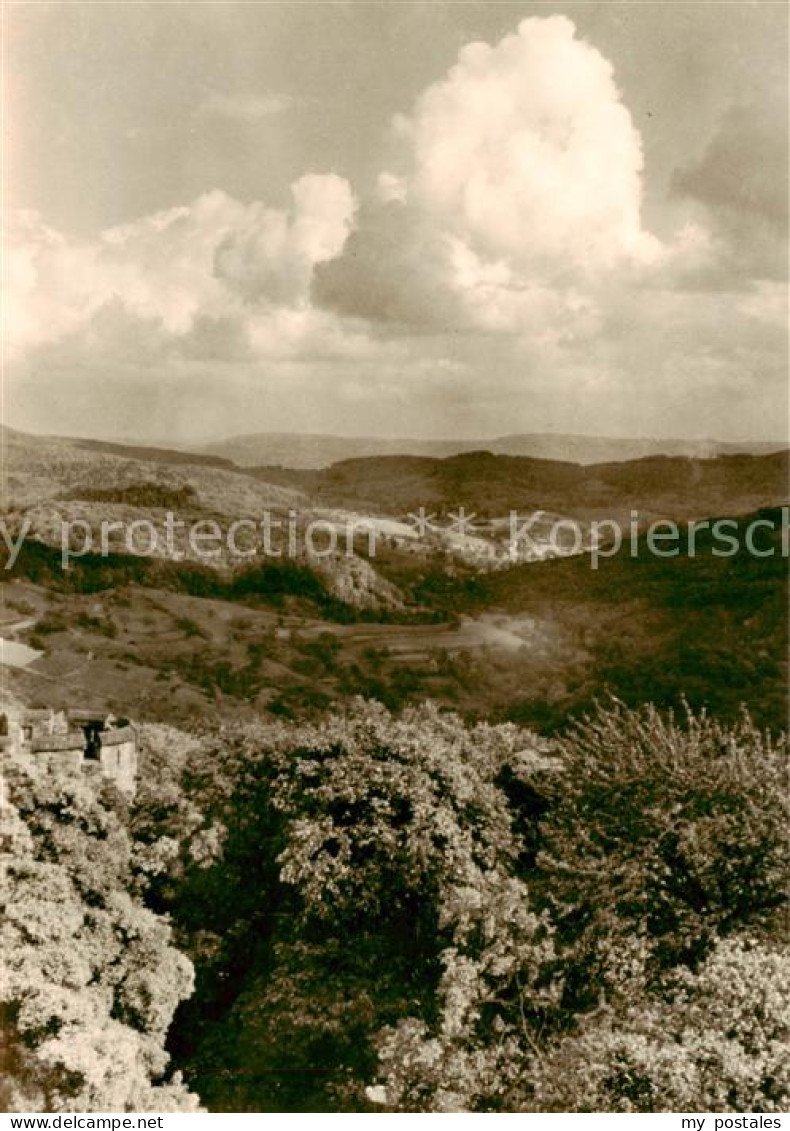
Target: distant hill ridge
column 314, row 451
column 489, row 484
column 305, row 450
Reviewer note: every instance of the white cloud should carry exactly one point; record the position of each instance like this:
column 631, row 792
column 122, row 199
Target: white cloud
column 739, row 183
column 767, row 303
column 271, row 254
column 526, row 153
column 519, row 196
column 215, row 258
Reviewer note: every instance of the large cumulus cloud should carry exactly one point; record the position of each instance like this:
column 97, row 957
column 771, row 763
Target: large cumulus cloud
column 216, row 267
column 528, row 149
column 520, row 192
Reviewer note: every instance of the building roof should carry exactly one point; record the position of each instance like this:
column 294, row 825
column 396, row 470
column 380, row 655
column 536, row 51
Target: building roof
column 37, row 714
column 116, row 737
column 58, row 743
column 87, row 715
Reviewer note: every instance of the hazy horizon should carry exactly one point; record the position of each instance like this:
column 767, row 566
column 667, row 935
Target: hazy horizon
column 162, row 441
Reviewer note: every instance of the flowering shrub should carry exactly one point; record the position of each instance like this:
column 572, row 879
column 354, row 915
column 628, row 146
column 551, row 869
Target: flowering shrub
column 661, row 836
column 90, row 978
column 498, row 988
column 384, row 812
column 718, row 1042
column 658, row 839
column 407, row 912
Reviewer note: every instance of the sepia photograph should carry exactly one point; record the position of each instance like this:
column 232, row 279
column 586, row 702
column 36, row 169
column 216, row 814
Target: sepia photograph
column 394, row 561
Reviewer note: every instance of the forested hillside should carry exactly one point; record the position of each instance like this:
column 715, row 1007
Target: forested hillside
column 490, row 484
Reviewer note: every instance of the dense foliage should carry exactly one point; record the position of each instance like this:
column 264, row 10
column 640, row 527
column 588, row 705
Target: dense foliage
column 403, row 911
column 90, row 978
column 406, row 913
column 143, row 494
column 715, row 1040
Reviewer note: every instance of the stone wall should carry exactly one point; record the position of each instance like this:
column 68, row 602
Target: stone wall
column 118, row 758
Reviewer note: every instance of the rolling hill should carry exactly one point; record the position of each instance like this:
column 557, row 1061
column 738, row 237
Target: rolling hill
column 305, row 450
column 489, row 484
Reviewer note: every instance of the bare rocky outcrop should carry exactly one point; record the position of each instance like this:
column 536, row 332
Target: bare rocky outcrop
column 355, row 582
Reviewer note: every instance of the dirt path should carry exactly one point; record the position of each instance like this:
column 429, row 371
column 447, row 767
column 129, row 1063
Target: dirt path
column 499, row 631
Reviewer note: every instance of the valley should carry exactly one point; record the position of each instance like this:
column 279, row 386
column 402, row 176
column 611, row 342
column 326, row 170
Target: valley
column 434, row 614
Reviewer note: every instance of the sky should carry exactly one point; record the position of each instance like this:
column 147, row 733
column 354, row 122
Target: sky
column 391, row 218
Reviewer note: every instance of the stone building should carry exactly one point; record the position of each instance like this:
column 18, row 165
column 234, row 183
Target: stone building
column 79, row 741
